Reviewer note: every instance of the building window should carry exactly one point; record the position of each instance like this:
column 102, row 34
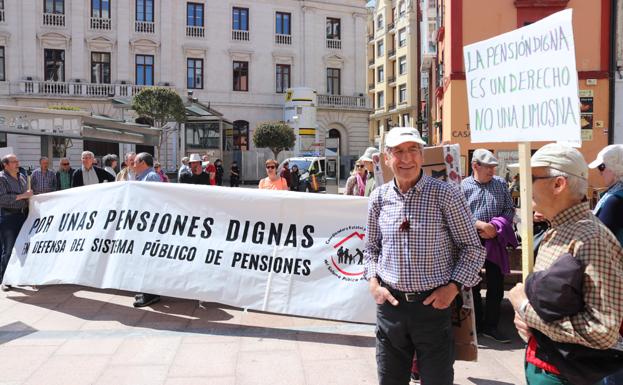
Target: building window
column 283, row 78
column 2, row 72
column 202, row 135
column 3, row 139
column 194, row 15
column 402, row 8
column 100, row 9
column 333, row 81
column 241, row 135
column 54, row 65
column 241, row 76
column 145, row 10
column 194, row 73
column 402, row 65
column 240, row 21
column 380, row 100
column 402, row 93
column 333, row 29
column 380, row 48
column 402, row 37
column 54, row 6
column 100, row 67
column 406, row 120
column 380, row 74
column 379, row 22
column 282, row 23
column 145, row 70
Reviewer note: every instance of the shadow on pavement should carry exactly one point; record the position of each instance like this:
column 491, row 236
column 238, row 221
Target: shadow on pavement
column 480, row 381
column 171, row 314
column 14, row 330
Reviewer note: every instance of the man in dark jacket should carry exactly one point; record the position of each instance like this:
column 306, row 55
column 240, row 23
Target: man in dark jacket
column 89, row 174
column 64, row 175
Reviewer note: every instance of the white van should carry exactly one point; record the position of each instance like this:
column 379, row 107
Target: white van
column 308, row 166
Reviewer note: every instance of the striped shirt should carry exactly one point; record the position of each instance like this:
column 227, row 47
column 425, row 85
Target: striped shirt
column 10, row 188
column 43, row 182
column 578, row 232
column 488, row 200
column 440, row 245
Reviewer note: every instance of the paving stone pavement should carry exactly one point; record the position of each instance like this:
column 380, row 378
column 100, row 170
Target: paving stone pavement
column 74, row 335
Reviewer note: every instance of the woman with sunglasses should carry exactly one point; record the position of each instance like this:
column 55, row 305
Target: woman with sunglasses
column 609, row 209
column 273, row 181
column 356, row 183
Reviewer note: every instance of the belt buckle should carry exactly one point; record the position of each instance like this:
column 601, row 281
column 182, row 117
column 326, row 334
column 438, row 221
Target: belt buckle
column 410, row 297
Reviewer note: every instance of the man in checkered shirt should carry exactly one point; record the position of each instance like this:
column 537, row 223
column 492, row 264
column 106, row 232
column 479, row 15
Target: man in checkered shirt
column 421, row 249
column 560, row 182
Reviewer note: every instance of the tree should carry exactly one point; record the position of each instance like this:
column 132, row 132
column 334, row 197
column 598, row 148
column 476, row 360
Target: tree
column 160, row 105
column 277, row 136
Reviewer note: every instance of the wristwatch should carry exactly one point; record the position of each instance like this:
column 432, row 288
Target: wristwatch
column 523, row 307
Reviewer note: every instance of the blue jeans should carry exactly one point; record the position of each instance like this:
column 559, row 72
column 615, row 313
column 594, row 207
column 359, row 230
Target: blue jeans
column 615, row 379
column 10, row 225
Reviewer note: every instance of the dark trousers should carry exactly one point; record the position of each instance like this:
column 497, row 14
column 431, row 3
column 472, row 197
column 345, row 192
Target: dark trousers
column 234, row 181
column 412, row 327
column 10, row 226
column 495, row 294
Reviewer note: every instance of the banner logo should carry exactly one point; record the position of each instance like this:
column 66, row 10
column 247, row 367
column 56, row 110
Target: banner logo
column 346, row 260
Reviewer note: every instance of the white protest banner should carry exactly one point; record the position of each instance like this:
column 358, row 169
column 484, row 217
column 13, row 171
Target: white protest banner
column 275, row 251
column 523, row 85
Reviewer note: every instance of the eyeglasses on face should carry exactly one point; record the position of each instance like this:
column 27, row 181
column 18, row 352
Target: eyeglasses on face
column 601, row 167
column 360, row 166
column 64, row 164
column 270, row 167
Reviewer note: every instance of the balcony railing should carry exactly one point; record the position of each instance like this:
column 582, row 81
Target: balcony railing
column 195, row 31
column 283, row 39
column 390, row 26
column 334, row 44
column 343, row 102
column 391, row 52
column 391, row 79
column 2, row 19
column 54, row 19
column 73, row 89
column 240, row 35
column 371, row 62
column 101, row 24
column 371, row 86
column 391, row 107
column 370, row 38
column 144, row 26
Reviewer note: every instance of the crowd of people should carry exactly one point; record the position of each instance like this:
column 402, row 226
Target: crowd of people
column 428, row 240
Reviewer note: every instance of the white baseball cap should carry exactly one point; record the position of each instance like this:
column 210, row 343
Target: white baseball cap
column 368, row 154
column 484, row 156
column 562, row 158
column 611, row 156
column 399, row 135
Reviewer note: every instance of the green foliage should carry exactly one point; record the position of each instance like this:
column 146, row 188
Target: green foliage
column 64, row 108
column 277, row 136
column 160, row 104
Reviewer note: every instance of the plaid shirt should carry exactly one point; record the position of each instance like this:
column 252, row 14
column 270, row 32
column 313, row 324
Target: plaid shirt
column 43, row 182
column 578, row 232
column 440, row 245
column 11, row 188
column 488, row 200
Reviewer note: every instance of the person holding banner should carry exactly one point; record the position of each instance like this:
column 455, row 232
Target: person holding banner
column 492, row 207
column 14, row 195
column 144, row 168
column 560, row 182
column 421, row 249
